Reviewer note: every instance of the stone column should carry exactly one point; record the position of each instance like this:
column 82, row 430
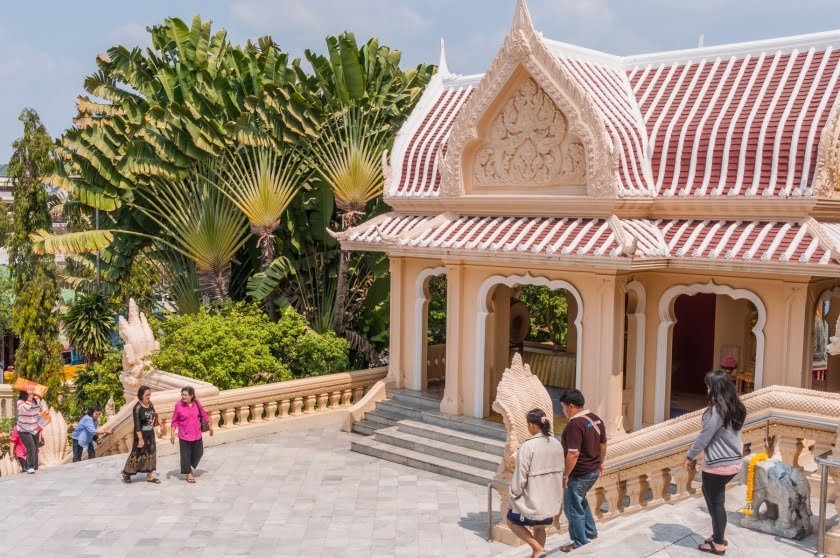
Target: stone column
column 396, row 369
column 795, row 345
column 452, row 402
column 603, row 338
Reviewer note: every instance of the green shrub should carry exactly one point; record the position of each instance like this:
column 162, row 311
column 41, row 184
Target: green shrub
column 305, row 352
column 228, row 346
column 98, row 384
column 6, row 425
column 236, row 345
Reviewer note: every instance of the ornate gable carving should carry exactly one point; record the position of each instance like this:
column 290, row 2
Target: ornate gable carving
column 524, row 50
column 529, row 143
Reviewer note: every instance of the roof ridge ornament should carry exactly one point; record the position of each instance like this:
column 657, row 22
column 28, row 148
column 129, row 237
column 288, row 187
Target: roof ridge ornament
column 522, row 17
column 827, row 173
column 827, row 242
column 627, row 240
column 443, row 68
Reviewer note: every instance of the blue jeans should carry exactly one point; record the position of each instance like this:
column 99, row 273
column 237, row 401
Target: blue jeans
column 581, row 523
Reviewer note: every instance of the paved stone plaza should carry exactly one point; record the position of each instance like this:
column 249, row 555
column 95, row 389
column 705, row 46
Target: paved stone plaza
column 304, row 494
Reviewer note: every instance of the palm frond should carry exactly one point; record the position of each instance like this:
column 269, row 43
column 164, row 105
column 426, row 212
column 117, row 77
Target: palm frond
column 82, row 242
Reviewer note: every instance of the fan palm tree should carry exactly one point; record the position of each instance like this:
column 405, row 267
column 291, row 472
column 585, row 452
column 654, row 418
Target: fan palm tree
column 260, row 183
column 200, row 223
column 348, row 156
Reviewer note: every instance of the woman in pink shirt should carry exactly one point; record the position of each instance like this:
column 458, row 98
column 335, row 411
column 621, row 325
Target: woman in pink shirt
column 186, row 421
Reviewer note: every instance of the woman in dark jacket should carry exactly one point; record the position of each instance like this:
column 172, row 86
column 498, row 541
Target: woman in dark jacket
column 143, row 456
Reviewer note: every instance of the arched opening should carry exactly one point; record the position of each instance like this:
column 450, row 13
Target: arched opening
column 537, row 317
column 430, row 331
column 825, row 367
column 704, row 327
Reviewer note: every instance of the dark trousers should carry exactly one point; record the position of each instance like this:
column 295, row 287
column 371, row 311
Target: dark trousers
column 30, row 441
column 191, row 453
column 77, row 451
column 714, row 491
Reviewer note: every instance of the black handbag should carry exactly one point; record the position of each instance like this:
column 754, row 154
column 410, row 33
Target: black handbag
column 205, row 426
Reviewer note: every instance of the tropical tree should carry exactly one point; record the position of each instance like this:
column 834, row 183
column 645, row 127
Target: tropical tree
column 38, row 356
column 197, row 221
column 348, row 155
column 261, row 183
column 89, row 324
column 156, row 115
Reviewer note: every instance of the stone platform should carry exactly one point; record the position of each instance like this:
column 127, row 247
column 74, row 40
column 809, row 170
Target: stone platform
column 305, row 494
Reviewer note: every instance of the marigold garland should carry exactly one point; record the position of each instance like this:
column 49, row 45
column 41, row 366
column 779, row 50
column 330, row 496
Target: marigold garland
column 748, row 510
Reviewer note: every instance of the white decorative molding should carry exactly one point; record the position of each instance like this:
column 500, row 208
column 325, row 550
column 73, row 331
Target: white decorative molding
column 528, row 143
column 524, row 48
column 638, row 291
column 484, row 311
column 827, row 172
column 666, row 322
column 420, row 339
column 625, row 238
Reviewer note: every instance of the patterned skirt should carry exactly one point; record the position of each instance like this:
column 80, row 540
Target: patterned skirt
column 142, row 460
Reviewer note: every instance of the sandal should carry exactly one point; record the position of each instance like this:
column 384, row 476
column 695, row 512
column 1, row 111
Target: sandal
column 711, row 549
column 190, row 480
column 710, row 540
column 126, row 479
column 154, row 480
column 567, row 547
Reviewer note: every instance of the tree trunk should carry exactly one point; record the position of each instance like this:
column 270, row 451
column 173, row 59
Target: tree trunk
column 265, row 243
column 348, row 219
column 214, row 284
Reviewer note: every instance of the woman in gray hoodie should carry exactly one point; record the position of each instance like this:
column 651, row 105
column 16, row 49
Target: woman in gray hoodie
column 536, row 488
column 720, row 441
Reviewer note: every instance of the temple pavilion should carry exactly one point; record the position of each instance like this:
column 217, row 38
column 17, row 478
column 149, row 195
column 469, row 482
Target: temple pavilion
column 683, row 202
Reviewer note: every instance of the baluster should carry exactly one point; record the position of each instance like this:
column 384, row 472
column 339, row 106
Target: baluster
column 310, row 403
column 358, row 393
column 271, row 410
column 257, row 412
column 335, row 399
column 683, row 480
column 242, row 415
column 787, row 450
column 659, row 482
column 613, row 496
column 215, row 418
column 284, row 408
column 346, row 398
column 806, row 458
column 297, row 405
column 228, row 414
column 636, row 489
column 323, row 399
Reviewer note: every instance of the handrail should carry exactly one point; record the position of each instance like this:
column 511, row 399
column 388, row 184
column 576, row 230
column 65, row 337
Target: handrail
column 490, row 486
column 824, row 462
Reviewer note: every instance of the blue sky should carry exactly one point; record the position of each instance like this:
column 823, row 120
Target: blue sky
column 48, row 47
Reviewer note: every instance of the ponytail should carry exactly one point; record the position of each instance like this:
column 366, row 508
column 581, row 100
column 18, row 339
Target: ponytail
column 537, row 416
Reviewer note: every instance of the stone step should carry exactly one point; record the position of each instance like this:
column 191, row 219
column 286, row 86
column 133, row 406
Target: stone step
column 444, row 450
column 366, row 428
column 403, row 410
column 381, row 418
column 471, row 425
column 455, row 437
column 411, row 458
column 415, row 399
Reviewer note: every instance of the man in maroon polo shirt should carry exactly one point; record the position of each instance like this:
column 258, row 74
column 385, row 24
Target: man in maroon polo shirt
column 585, row 445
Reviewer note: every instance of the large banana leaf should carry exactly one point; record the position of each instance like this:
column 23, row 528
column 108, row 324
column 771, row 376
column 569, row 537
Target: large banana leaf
column 44, row 242
column 261, row 284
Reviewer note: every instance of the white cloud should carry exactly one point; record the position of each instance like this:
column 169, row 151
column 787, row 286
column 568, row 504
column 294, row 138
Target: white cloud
column 29, row 63
column 130, row 34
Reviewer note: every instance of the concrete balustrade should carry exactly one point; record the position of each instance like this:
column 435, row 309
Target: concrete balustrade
column 263, row 406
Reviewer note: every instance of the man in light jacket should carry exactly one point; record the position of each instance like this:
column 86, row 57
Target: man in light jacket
column 536, row 488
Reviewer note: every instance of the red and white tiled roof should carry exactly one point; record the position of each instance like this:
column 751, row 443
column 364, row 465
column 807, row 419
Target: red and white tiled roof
column 722, row 241
column 735, row 120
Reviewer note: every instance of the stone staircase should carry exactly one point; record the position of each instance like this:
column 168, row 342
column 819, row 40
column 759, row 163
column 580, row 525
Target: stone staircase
column 408, row 428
